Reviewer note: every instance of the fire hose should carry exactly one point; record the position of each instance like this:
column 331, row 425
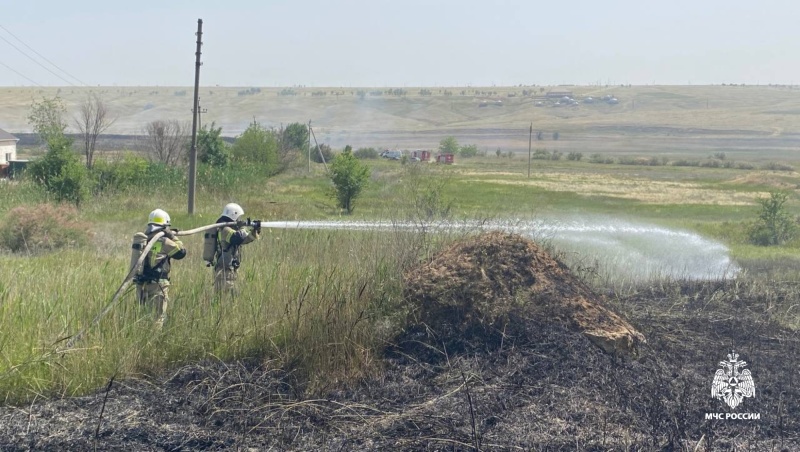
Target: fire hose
column 129, row 278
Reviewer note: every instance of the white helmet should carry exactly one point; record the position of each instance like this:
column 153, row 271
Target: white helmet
column 232, row 211
column 159, row 217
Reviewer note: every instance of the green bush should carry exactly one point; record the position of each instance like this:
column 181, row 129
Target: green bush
column 109, row 176
column 366, row 153
column 211, row 149
column 774, row 225
column 773, row 166
column 61, row 173
column 469, row 150
column 575, row 156
column 684, row 162
column 541, row 154
column 42, row 227
column 349, row 177
column 325, row 150
column 258, row 145
column 598, row 158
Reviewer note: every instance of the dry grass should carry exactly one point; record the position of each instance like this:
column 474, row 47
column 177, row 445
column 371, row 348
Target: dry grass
column 638, row 189
column 680, row 119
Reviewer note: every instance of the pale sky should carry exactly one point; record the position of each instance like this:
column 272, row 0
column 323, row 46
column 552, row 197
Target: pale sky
column 399, row 43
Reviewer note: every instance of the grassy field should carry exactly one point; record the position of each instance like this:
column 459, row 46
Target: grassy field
column 323, row 303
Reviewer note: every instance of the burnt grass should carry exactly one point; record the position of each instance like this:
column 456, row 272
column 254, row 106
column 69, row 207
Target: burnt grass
column 543, row 388
column 487, row 362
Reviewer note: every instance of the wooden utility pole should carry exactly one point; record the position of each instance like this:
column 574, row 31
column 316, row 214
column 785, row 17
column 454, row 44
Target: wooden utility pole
column 309, row 146
column 530, row 138
column 195, row 116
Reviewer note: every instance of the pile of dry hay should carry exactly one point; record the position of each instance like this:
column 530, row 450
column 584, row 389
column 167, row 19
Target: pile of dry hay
column 498, row 281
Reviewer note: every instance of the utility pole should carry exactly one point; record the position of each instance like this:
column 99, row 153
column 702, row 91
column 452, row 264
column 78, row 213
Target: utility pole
column 530, row 138
column 195, row 116
column 200, row 110
column 309, row 146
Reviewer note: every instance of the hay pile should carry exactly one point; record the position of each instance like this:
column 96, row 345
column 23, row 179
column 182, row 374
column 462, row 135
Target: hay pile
column 498, row 281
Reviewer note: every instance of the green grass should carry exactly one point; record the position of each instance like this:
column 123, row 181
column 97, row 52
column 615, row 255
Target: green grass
column 322, row 303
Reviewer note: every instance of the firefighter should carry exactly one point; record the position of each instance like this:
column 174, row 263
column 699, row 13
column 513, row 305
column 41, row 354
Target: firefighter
column 229, row 242
column 152, row 281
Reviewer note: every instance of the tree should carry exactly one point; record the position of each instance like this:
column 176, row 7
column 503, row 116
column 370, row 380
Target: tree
column 349, row 176
column 167, row 141
column 92, row 120
column 448, row 145
column 211, row 149
column 324, row 152
column 470, row 150
column 774, row 225
column 294, row 137
column 47, row 119
column 257, row 144
column 555, row 136
column 60, row 173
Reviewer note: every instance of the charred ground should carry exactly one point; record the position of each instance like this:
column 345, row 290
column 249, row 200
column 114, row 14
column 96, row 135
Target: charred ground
column 520, row 380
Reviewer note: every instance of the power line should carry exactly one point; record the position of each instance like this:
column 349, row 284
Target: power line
column 35, row 61
column 42, row 56
column 18, row 73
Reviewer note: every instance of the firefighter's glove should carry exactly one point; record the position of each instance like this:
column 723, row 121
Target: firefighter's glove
column 257, row 227
column 170, row 234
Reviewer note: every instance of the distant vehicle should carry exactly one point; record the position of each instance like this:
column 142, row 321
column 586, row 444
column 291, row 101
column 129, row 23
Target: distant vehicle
column 392, row 155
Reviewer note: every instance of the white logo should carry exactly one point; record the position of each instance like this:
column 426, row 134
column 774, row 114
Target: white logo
column 730, row 385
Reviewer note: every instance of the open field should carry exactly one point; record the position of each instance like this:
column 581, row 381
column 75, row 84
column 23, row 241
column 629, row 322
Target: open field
column 746, row 122
column 320, row 351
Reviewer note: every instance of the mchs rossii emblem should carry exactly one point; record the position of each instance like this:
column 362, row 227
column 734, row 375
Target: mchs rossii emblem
column 731, row 384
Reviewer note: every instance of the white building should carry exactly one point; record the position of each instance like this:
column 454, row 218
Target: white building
column 8, row 147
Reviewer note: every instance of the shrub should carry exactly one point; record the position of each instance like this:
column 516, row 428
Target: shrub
column 710, row 164
column 598, row 158
column 541, row 154
column 349, row 177
column 745, row 166
column 108, row 176
column 773, row 166
column 366, row 153
column 575, row 156
column 325, row 150
column 211, row 149
column 42, row 227
column 61, row 173
column 774, row 225
column 257, row 144
column 469, row 150
column 684, row 162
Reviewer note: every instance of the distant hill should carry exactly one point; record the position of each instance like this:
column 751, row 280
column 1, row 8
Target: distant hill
column 669, row 118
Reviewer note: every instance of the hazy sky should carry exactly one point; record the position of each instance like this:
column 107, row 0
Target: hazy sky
column 400, row 43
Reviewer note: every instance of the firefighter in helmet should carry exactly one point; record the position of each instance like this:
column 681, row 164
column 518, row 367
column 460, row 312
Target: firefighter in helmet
column 152, row 281
column 229, row 242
